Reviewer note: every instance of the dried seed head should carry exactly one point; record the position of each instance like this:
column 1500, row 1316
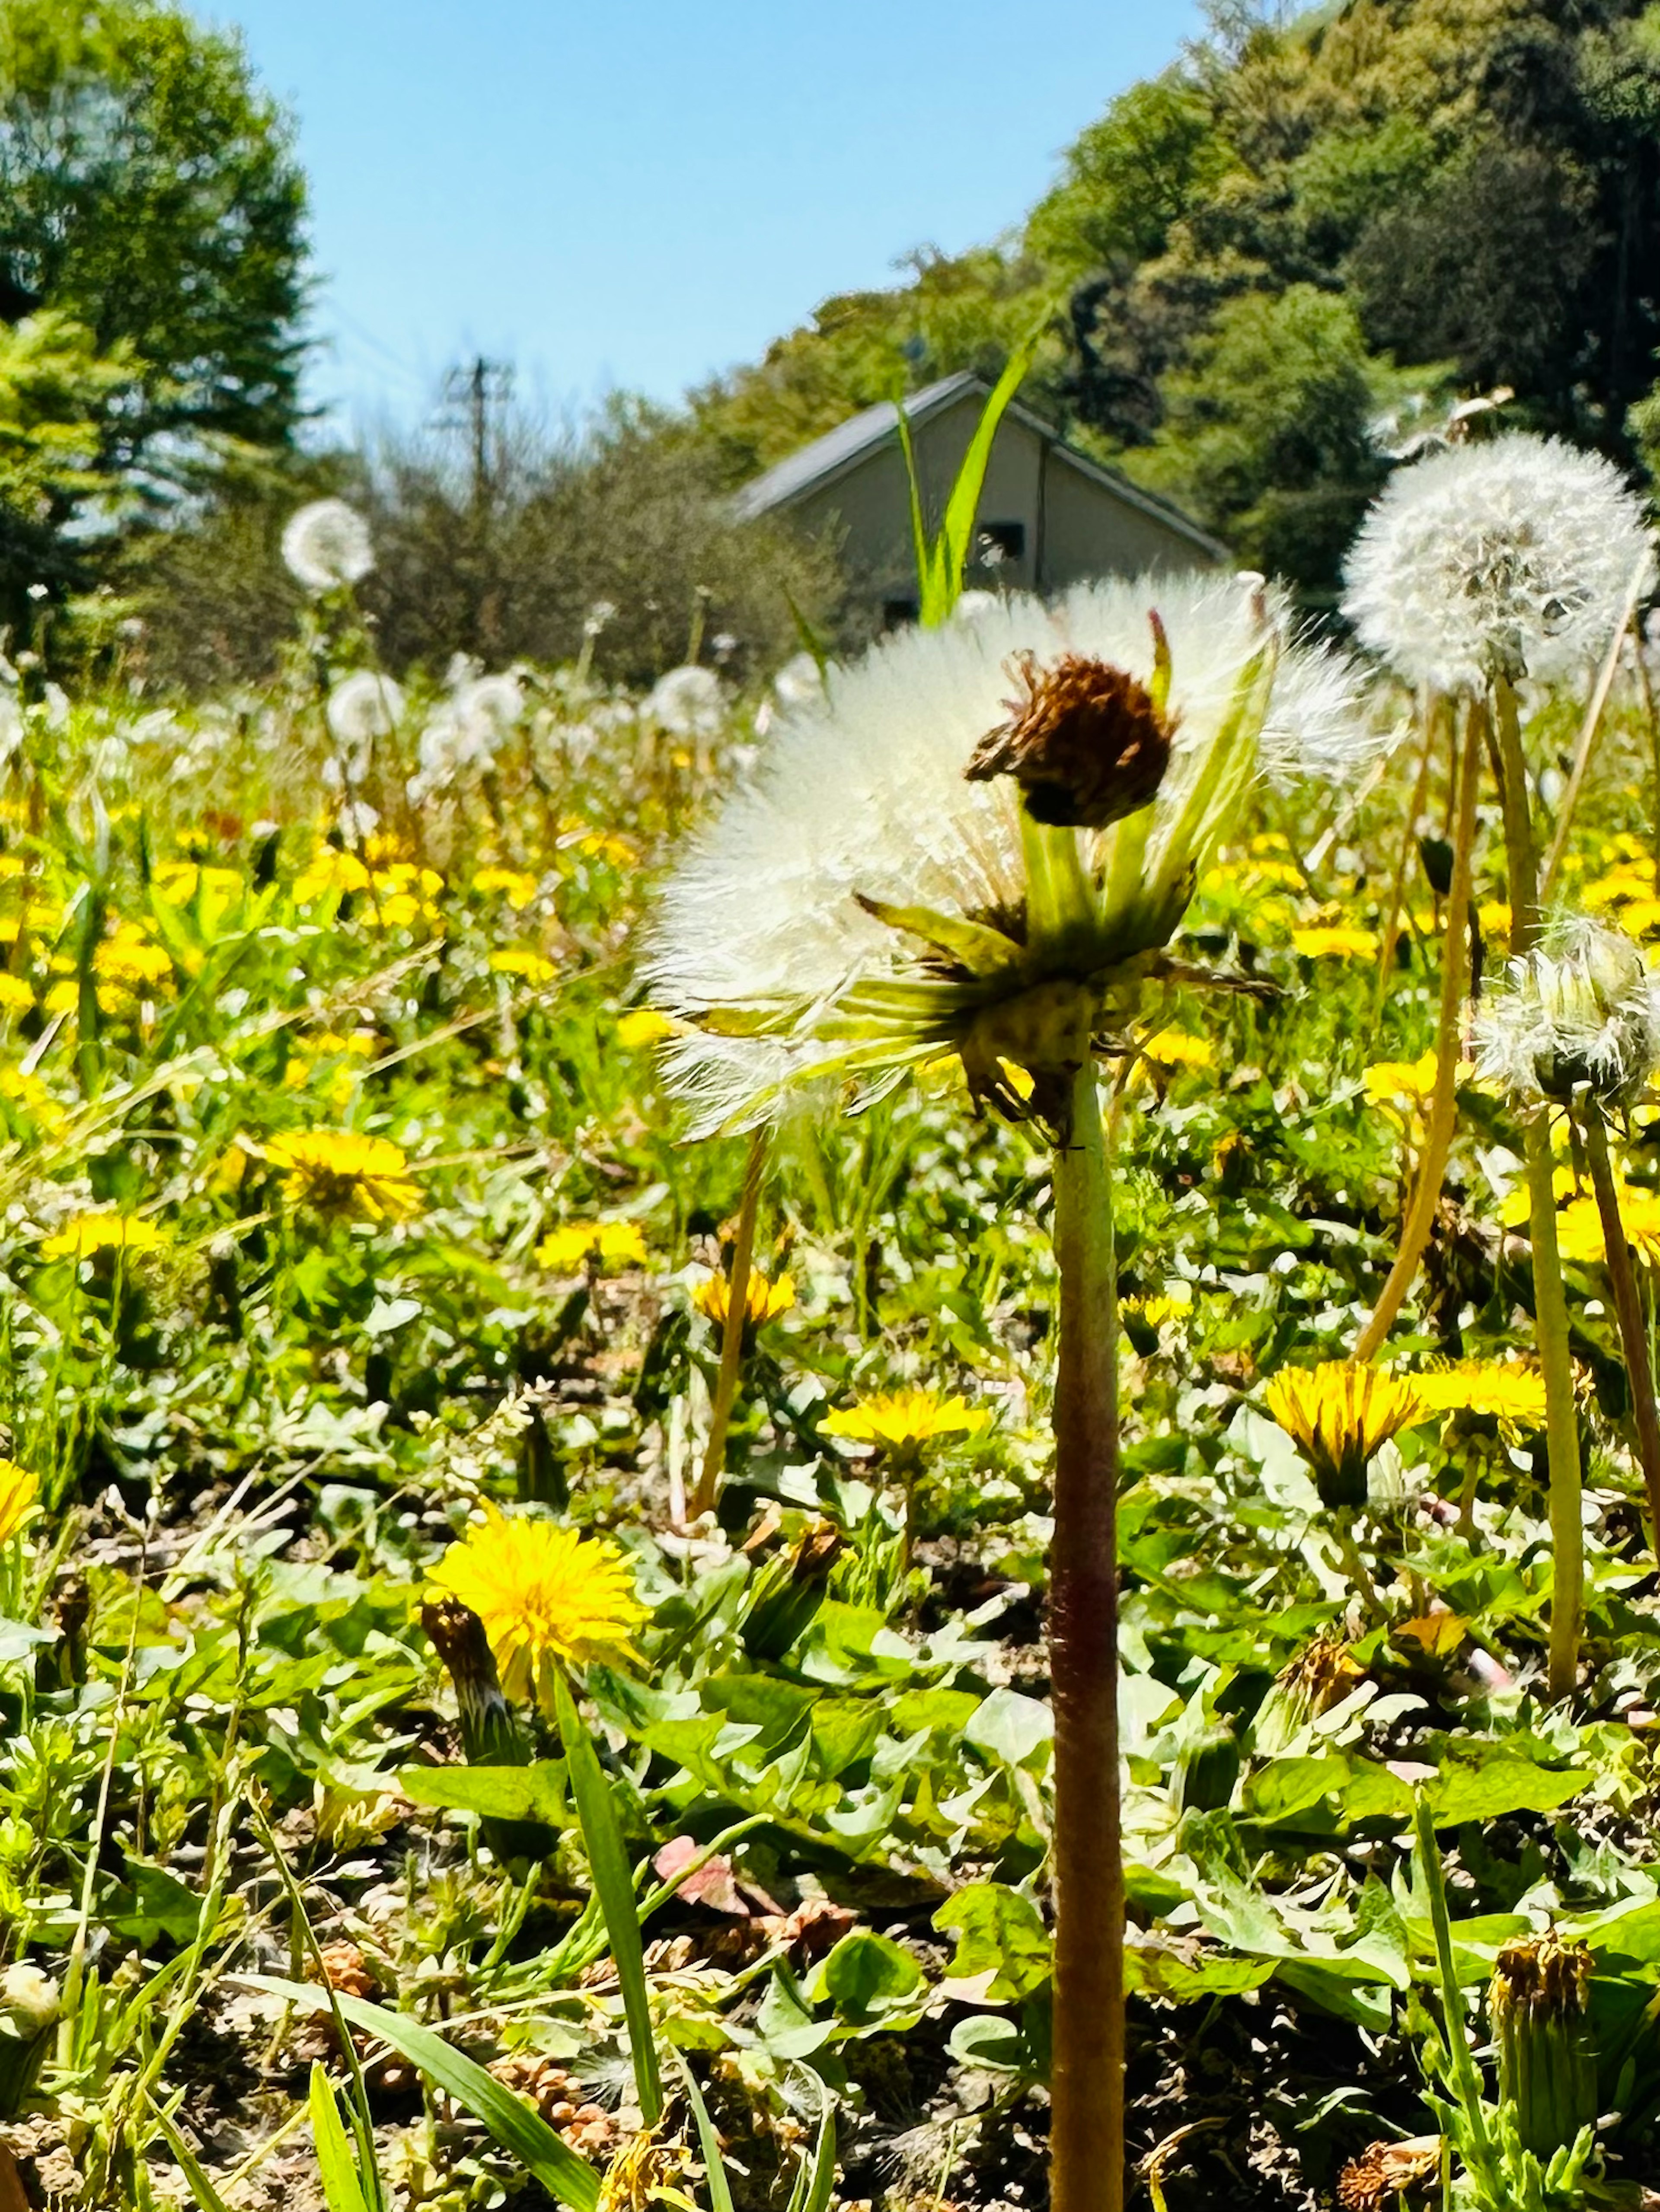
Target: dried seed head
column 1086, row 743
column 1388, row 2174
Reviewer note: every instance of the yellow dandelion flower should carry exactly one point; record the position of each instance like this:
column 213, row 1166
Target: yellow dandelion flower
column 515, row 885
column 548, row 1597
column 89, row 1234
column 1505, row 1390
column 330, row 873
column 901, row 1423
column 1333, row 941
column 19, row 1489
column 608, row 1243
column 1493, row 917
column 130, row 959
column 16, row 997
column 532, row 967
column 1404, row 1085
column 1144, row 1317
column 1172, row 1048
column 644, row 1026
column 338, row 1172
column 764, row 1300
column 606, row 845
column 1579, row 1226
column 1339, row 1414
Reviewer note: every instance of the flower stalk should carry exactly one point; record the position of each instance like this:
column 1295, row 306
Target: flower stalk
column 1550, row 1302
column 732, row 1330
column 1087, row 2133
column 1443, row 1117
column 1628, row 1311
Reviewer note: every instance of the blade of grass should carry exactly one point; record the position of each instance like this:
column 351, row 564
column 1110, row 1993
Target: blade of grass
column 613, row 1882
column 517, row 2129
column 708, row 2142
column 816, row 2184
column 341, row 2184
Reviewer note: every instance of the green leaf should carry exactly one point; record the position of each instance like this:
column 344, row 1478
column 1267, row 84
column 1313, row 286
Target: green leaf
column 341, row 2186
column 868, row 1978
column 1011, row 1728
column 537, row 1792
column 613, row 1882
column 986, row 2039
column 1500, row 1785
column 997, row 1928
column 942, row 585
column 817, row 2184
column 521, row 2133
column 1151, row 1971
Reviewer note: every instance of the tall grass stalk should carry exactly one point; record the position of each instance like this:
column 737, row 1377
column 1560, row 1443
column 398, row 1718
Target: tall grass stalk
column 1550, row 1303
column 1087, row 2079
column 1443, row 1115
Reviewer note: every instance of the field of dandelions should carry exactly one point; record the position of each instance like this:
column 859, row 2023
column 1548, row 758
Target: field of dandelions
column 566, row 1379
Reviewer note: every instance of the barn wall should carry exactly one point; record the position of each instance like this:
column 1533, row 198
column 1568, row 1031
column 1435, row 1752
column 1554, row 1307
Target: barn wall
column 1073, row 527
column 1090, row 533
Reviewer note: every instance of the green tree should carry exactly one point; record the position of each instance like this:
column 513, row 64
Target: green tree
column 149, row 189
column 1266, row 433
column 56, row 391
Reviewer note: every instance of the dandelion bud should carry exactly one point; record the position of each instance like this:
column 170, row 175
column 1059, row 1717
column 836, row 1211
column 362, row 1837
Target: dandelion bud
column 28, row 2013
column 490, row 1735
column 1087, row 743
column 1206, row 1769
column 1539, row 2000
column 1583, row 1014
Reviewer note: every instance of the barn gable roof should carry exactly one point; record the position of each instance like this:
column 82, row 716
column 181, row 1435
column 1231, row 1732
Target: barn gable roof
column 851, row 443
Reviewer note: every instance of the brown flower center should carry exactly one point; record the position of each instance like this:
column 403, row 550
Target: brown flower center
column 1085, row 742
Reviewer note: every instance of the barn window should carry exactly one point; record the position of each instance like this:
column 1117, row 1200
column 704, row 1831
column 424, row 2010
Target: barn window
column 1000, row 542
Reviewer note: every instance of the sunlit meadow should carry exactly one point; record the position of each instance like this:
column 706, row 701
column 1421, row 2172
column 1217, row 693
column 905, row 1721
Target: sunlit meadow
column 564, row 1250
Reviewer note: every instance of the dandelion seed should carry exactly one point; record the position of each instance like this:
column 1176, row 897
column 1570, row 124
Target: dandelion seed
column 687, row 702
column 362, row 706
column 1339, row 1415
column 1507, row 559
column 326, row 545
column 1582, row 1015
column 343, row 1176
column 548, row 1598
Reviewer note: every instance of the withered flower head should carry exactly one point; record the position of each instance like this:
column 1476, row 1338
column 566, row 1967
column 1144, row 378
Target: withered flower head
column 1086, row 742
column 1387, row 2174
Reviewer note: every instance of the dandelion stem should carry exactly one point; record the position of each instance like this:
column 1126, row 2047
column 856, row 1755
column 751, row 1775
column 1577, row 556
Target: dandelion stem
column 1443, row 1117
column 1550, row 1302
column 1409, row 841
column 732, row 1332
column 1628, row 1311
column 1087, row 2130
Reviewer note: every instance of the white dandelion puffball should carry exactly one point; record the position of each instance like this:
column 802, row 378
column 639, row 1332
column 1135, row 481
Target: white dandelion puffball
column 798, row 681
column 861, row 794
column 489, row 709
column 362, row 706
column 327, row 545
column 1508, row 559
column 687, row 702
column 1582, row 1013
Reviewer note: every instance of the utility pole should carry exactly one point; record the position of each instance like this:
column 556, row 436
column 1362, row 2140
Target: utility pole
column 472, row 391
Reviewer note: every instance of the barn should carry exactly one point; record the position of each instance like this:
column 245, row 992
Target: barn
column 1050, row 515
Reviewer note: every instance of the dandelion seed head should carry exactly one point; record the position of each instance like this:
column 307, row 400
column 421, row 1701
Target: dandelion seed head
column 687, row 702
column 1510, row 558
column 860, row 795
column 1582, row 1012
column 362, row 706
column 327, row 545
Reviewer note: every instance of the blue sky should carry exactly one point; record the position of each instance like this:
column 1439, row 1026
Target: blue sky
column 639, row 193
